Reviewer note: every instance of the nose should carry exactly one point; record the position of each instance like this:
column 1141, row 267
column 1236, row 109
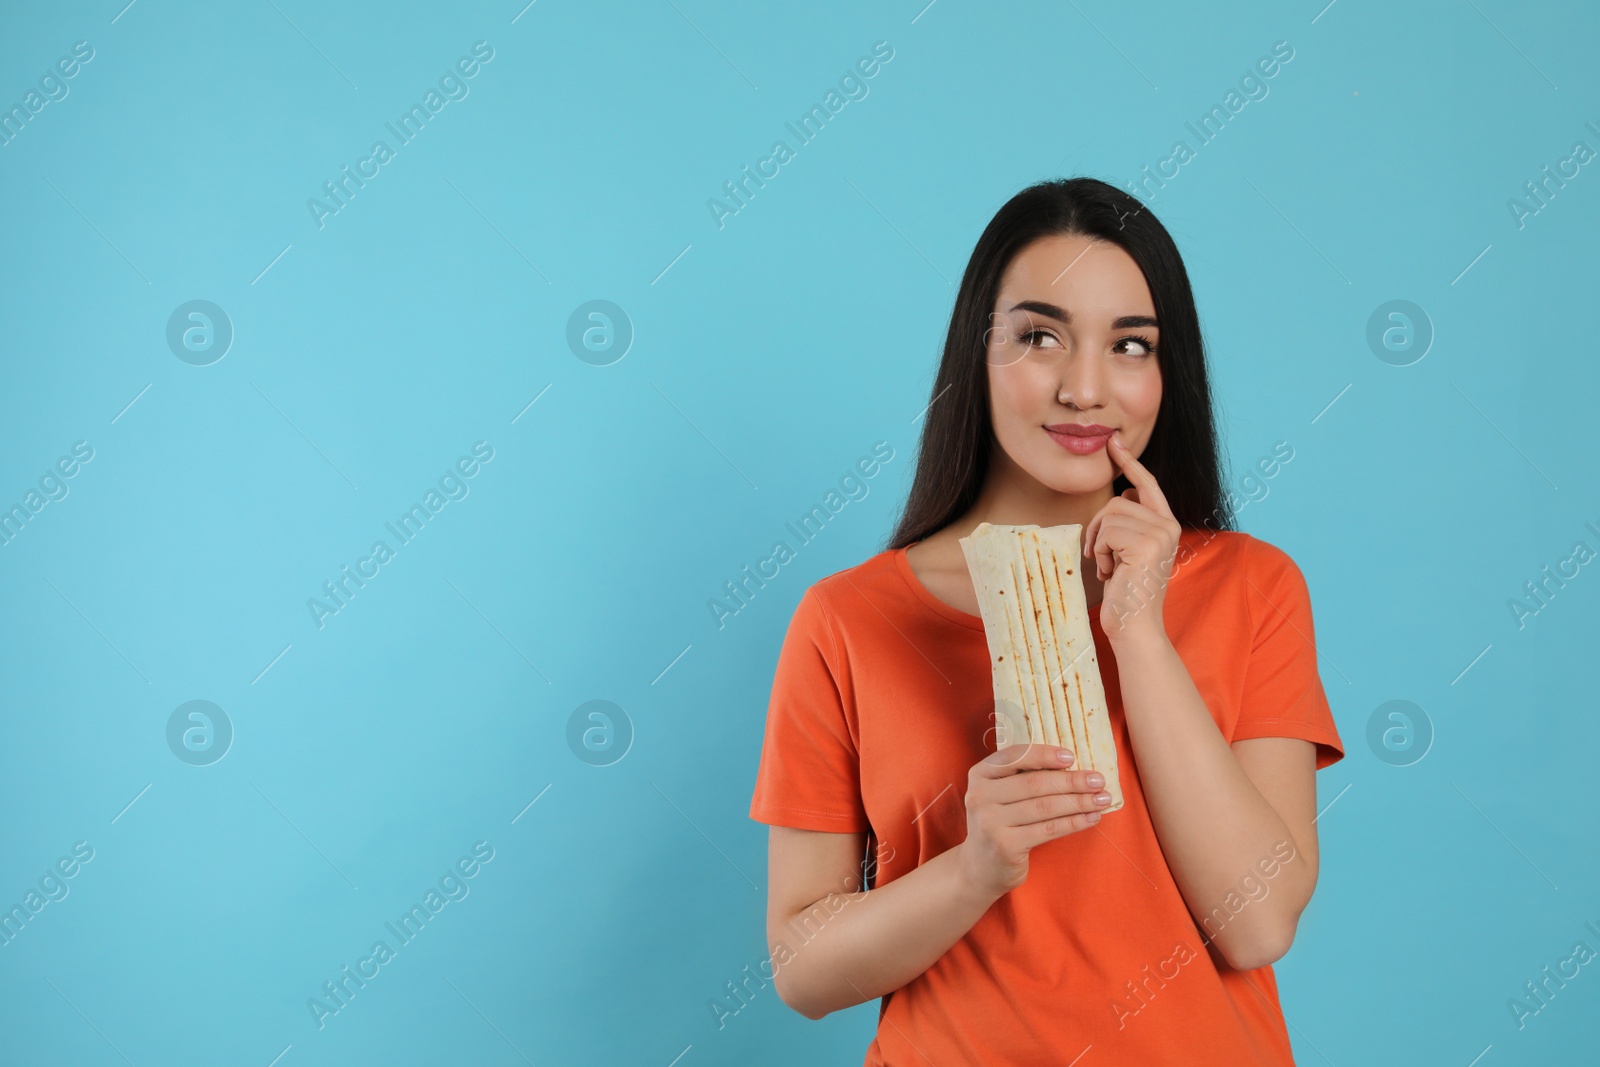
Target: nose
column 1082, row 379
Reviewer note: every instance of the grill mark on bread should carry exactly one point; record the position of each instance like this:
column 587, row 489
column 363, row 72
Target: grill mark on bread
column 1048, row 732
column 1060, row 701
column 1060, row 630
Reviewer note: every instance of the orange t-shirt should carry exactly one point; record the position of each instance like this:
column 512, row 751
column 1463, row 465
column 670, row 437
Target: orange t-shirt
column 881, row 702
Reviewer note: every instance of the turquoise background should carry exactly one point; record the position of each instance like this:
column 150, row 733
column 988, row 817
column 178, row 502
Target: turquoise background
column 767, row 355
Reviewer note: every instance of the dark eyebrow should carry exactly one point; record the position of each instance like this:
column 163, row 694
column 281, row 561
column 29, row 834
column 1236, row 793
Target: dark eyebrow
column 1062, row 315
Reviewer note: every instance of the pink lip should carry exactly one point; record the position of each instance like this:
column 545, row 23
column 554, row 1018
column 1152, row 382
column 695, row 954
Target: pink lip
column 1079, row 439
column 1082, row 429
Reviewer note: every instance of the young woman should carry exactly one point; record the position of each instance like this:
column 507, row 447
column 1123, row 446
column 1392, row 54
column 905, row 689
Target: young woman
column 1001, row 920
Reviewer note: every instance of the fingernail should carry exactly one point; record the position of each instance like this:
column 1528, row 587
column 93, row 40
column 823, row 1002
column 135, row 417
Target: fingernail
column 1102, row 798
column 1063, row 755
column 1092, row 818
column 1096, row 780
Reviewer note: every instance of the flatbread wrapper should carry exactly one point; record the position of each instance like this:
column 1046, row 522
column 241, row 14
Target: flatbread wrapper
column 1047, row 687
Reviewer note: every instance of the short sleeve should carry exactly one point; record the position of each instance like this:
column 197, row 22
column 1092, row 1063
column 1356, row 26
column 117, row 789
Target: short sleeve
column 810, row 772
column 1283, row 693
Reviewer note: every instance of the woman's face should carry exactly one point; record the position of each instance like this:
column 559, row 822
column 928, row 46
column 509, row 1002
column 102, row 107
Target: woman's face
column 1073, row 319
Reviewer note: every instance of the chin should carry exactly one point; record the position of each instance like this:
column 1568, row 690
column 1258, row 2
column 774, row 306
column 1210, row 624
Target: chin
column 1083, row 478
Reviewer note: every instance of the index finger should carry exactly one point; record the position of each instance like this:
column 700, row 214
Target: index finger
column 1023, row 757
column 1150, row 493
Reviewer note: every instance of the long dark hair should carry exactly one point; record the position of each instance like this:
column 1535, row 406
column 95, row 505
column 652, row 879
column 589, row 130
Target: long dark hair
column 957, row 434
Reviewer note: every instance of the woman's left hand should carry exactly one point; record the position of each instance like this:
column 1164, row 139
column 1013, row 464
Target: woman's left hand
column 1132, row 541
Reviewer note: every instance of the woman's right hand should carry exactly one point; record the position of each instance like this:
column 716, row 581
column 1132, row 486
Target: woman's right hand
column 1017, row 799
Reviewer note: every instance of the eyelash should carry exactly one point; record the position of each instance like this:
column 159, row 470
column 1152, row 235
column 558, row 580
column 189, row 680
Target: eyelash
column 1149, row 345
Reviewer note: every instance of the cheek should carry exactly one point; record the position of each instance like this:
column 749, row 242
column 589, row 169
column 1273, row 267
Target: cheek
column 1020, row 389
column 1014, row 396
column 1141, row 395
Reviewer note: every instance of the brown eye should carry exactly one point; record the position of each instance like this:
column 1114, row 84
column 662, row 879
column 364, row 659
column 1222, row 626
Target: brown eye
column 1148, row 345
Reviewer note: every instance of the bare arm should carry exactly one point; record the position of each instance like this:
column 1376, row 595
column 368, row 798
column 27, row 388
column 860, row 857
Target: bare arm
column 841, row 946
column 1225, row 815
column 1220, row 810
column 835, row 946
